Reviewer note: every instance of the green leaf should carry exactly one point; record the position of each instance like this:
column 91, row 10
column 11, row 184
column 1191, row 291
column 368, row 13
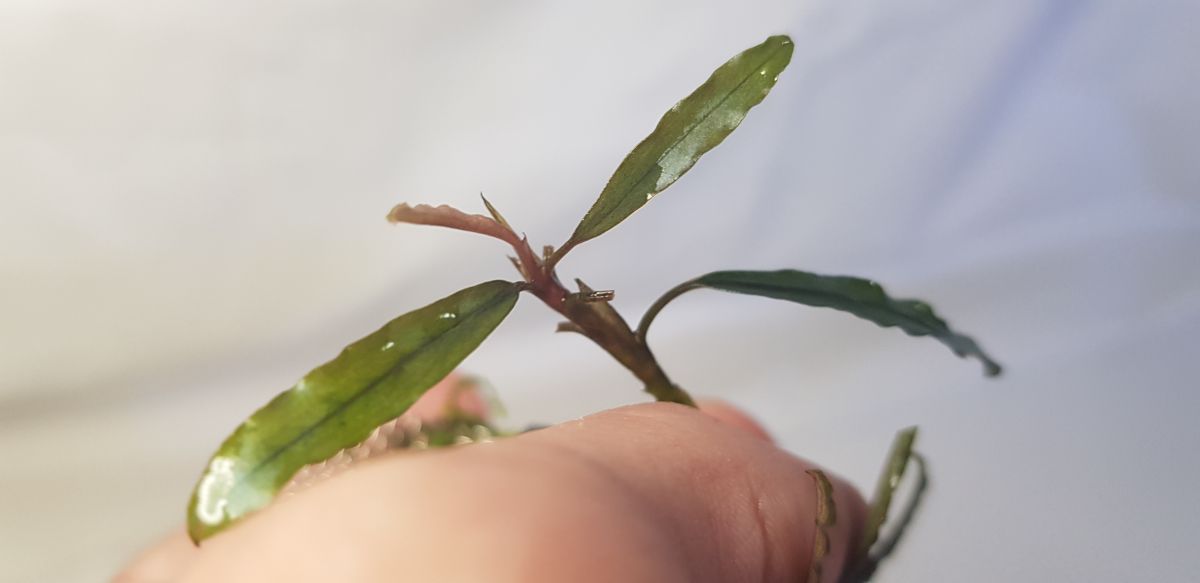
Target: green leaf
column 338, row 404
column 694, row 126
column 885, row 487
column 884, row 547
column 861, row 297
column 874, row 547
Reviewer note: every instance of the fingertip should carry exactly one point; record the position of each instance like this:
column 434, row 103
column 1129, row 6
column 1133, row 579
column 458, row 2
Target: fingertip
column 732, row 416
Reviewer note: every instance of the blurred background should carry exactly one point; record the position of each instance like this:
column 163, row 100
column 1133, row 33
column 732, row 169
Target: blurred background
column 192, row 201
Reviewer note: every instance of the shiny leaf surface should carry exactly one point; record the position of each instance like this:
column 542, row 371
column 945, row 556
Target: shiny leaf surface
column 694, row 126
column 338, row 404
column 861, row 297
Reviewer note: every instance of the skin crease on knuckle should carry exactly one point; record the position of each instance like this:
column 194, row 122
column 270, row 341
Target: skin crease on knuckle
column 653, row 492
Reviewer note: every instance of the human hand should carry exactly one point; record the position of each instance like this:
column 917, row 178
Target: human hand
column 654, row 492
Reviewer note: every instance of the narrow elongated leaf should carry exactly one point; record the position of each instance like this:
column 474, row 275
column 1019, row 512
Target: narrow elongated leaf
column 694, row 126
column 885, row 546
column 450, row 217
column 874, row 547
column 338, row 404
column 885, row 487
column 861, row 297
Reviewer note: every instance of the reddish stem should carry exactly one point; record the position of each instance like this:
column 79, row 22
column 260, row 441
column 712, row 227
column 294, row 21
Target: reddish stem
column 599, row 322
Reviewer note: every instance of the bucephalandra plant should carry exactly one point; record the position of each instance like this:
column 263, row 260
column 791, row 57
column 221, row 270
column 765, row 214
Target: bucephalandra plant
column 376, row 379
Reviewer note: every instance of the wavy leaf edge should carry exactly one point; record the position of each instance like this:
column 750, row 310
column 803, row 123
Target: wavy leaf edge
column 854, row 295
column 693, row 126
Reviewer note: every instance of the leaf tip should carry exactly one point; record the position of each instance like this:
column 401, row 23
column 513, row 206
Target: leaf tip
column 398, row 212
column 197, row 529
column 784, row 43
column 991, row 368
column 499, row 218
column 196, row 533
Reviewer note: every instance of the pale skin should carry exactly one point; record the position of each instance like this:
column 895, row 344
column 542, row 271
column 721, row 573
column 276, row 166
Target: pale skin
column 655, row 492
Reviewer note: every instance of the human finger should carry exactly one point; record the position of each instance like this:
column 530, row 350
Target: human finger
column 650, row 492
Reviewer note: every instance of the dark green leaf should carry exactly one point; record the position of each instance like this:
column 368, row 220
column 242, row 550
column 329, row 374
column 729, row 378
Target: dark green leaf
column 694, row 126
column 861, row 297
column 338, row 404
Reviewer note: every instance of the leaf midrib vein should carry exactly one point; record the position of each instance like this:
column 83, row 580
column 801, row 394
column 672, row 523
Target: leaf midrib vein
column 360, row 394
column 704, row 117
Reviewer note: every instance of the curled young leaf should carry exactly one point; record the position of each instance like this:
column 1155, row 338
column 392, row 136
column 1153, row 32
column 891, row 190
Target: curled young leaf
column 885, row 487
column 339, row 403
column 450, row 217
column 694, row 126
column 886, row 545
column 874, row 547
column 861, row 297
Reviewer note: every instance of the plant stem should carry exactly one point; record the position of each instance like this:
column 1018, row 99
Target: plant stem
column 558, row 254
column 601, row 323
column 648, row 317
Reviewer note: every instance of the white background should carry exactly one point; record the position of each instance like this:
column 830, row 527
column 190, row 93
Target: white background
column 191, row 216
